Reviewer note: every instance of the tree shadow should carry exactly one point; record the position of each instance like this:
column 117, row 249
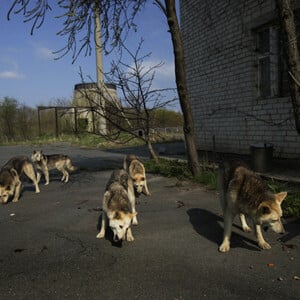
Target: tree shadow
column 207, row 224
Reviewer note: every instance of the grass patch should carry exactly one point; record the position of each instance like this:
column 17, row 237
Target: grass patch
column 180, row 170
column 83, row 140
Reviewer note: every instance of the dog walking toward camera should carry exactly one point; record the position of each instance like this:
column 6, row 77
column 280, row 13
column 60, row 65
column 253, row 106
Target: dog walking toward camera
column 117, row 207
column 243, row 192
column 136, row 170
column 45, row 163
column 137, row 173
column 10, row 177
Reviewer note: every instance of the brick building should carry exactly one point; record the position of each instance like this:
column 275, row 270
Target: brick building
column 236, row 76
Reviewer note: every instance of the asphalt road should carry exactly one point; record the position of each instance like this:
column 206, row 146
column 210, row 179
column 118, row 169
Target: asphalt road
column 49, row 250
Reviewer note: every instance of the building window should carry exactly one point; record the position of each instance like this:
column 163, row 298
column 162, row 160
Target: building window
column 268, row 62
column 272, row 71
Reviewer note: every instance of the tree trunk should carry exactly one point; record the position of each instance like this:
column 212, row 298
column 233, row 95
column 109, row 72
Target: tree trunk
column 292, row 57
column 188, row 127
column 99, row 70
column 152, row 152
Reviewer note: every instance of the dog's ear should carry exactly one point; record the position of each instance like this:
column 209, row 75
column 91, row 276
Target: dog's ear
column 106, row 196
column 117, row 215
column 265, row 209
column 280, row 196
column 132, row 215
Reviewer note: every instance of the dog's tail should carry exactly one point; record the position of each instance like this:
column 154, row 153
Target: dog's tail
column 70, row 166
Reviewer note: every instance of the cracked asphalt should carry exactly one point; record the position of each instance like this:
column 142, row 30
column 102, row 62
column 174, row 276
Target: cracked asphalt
column 49, row 250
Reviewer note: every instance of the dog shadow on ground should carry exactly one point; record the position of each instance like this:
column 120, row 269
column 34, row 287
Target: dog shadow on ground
column 292, row 229
column 207, row 224
column 108, row 234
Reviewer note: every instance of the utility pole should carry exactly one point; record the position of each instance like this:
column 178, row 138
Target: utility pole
column 99, row 71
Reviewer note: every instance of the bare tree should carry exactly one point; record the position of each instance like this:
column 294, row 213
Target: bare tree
column 8, row 113
column 117, row 17
column 26, row 121
column 169, row 10
column 292, row 58
column 133, row 114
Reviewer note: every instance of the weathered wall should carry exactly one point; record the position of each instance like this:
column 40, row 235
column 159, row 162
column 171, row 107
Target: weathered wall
column 221, row 67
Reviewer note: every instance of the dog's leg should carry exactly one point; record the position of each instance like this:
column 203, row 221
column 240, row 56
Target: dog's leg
column 29, row 171
column 129, row 235
column 228, row 219
column 147, row 193
column 131, row 197
column 18, row 188
column 222, row 190
column 245, row 226
column 260, row 239
column 101, row 234
column 46, row 175
column 66, row 176
column 38, row 176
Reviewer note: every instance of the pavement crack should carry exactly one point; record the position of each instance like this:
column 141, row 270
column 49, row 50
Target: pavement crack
column 74, row 241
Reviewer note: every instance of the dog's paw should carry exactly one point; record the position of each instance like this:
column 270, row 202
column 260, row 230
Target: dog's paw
column 225, row 247
column 264, row 245
column 135, row 221
column 14, row 200
column 46, row 183
column 100, row 235
column 130, row 238
column 247, row 229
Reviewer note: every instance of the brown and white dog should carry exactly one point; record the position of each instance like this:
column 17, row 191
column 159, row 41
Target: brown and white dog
column 136, row 170
column 44, row 163
column 243, row 192
column 117, row 207
column 10, row 174
column 137, row 173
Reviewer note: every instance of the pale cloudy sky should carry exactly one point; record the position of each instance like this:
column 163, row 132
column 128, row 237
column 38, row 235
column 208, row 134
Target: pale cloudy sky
column 30, row 73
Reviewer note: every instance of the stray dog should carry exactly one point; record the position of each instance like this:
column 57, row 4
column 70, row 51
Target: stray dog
column 137, row 173
column 44, row 163
column 10, row 183
column 117, row 207
column 243, row 192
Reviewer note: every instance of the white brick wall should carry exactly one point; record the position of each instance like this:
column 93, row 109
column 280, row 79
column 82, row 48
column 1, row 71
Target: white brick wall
column 221, row 72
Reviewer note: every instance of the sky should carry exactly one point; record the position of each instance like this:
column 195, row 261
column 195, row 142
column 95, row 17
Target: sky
column 30, row 74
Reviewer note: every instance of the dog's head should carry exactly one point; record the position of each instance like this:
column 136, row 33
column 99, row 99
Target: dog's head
column 7, row 184
column 270, row 212
column 119, row 222
column 37, row 155
column 138, row 182
column 5, row 192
